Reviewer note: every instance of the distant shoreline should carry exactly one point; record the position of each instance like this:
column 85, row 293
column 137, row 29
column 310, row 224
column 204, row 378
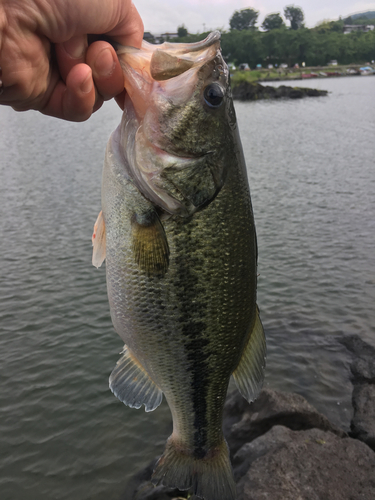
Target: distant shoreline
column 307, row 73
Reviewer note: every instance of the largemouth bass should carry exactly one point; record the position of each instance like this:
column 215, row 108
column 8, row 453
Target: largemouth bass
column 177, row 232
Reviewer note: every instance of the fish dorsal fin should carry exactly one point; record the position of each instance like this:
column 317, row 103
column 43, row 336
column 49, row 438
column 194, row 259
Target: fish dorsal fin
column 249, row 374
column 98, row 241
column 150, row 245
column 130, row 383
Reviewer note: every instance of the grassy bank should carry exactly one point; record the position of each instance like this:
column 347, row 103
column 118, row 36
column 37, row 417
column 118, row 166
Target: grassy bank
column 274, row 74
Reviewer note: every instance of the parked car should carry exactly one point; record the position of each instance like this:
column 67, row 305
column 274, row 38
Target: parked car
column 244, row 67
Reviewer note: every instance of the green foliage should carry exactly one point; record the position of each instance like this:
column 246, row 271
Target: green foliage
column 327, row 26
column 295, row 16
column 363, row 20
column 273, row 22
column 245, row 76
column 243, row 47
column 182, row 31
column 244, row 19
column 314, row 46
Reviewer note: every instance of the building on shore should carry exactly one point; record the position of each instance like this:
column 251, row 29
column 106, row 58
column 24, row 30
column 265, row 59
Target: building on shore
column 159, row 38
column 350, row 28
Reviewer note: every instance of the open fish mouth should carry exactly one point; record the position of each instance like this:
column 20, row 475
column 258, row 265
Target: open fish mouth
column 174, row 91
column 168, row 60
column 154, row 66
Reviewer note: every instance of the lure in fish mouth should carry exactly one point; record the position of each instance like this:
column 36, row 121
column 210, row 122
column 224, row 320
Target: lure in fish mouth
column 178, row 235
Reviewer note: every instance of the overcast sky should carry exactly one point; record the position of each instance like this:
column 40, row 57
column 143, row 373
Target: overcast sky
column 201, row 15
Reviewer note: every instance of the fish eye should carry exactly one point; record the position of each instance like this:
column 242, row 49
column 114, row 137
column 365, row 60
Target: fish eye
column 213, row 95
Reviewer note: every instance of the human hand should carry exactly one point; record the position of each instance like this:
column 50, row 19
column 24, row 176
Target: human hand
column 46, row 62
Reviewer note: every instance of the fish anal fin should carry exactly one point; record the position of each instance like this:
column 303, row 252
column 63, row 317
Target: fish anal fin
column 98, row 241
column 150, row 245
column 130, row 383
column 249, row 374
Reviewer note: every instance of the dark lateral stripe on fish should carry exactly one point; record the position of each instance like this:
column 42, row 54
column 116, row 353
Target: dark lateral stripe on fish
column 195, row 346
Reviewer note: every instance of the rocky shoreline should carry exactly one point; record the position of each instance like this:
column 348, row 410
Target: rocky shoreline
column 282, row 448
column 246, row 91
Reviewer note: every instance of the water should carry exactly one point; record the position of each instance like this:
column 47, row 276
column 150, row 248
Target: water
column 62, row 432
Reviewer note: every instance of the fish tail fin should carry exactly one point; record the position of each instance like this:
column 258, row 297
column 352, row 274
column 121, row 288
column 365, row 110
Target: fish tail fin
column 210, row 477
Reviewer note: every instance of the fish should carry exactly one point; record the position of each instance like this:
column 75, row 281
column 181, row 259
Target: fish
column 177, row 233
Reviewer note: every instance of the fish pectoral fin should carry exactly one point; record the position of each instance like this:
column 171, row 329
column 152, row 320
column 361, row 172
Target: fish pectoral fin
column 130, row 383
column 150, row 245
column 249, row 374
column 98, row 241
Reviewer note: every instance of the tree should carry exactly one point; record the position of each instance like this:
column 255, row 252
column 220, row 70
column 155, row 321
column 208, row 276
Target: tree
column 244, row 19
column 182, row 31
column 295, row 16
column 243, row 46
column 273, row 22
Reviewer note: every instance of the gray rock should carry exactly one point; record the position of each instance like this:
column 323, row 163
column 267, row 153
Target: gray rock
column 141, row 488
column 253, row 91
column 363, row 399
column 304, row 465
column 244, row 422
column 363, row 365
column 363, row 422
column 284, row 449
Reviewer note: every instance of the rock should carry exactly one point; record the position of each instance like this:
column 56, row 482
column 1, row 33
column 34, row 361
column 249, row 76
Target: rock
column 296, row 93
column 304, row 465
column 363, row 399
column 247, row 91
column 314, row 92
column 363, row 365
column 363, row 422
column 244, row 422
column 284, row 449
column 141, row 488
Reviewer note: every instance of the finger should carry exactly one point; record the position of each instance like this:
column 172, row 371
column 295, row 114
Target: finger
column 130, row 30
column 106, row 70
column 75, row 100
column 120, row 99
column 70, row 53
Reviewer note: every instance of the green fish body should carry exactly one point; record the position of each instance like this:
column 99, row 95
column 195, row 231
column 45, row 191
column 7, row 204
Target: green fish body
column 177, row 232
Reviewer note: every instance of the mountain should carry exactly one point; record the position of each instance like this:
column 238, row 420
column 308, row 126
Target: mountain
column 370, row 14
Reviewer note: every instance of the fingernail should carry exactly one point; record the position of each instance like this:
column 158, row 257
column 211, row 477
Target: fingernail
column 87, row 84
column 104, row 63
column 75, row 47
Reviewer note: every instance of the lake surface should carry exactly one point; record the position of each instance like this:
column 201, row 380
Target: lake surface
column 311, row 168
